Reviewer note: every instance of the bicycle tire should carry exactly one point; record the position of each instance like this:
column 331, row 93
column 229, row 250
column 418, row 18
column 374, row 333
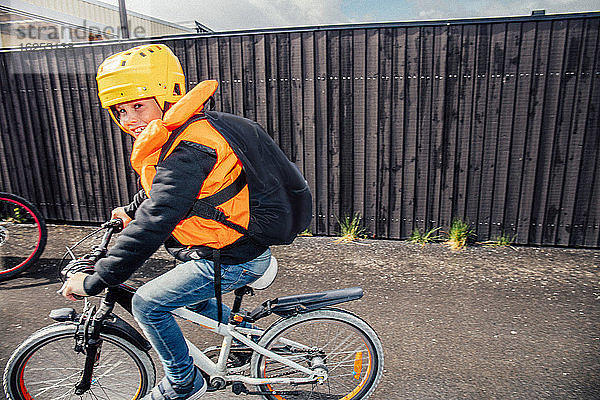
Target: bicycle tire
column 23, row 235
column 46, row 367
column 348, row 347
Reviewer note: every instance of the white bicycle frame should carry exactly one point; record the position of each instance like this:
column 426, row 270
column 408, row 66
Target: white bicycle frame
column 230, row 332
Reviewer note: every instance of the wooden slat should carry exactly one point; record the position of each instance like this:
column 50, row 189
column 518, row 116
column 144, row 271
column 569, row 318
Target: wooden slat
column 202, row 63
column 323, row 218
column 562, row 132
column 296, row 100
column 578, row 53
column 350, row 175
column 260, row 79
column 443, row 143
column 309, row 122
column 10, row 176
column 519, row 127
column 466, row 51
column 285, row 95
column 272, row 77
column 591, row 161
column 384, row 132
column 504, row 145
column 492, row 117
column 424, row 171
column 237, row 90
column 353, row 106
column 248, row 78
column 480, row 93
column 397, row 218
column 225, row 74
column 582, row 180
column 547, row 213
column 371, row 135
column 411, row 115
column 333, row 127
column 214, row 70
column 528, row 222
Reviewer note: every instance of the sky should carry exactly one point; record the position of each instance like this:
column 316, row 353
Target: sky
column 226, row 15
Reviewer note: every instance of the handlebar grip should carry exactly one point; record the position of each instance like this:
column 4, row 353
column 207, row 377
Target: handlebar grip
column 116, row 224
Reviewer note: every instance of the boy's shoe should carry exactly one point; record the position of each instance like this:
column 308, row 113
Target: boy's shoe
column 165, row 390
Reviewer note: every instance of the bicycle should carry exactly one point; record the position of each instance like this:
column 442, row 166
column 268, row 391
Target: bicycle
column 23, row 235
column 313, row 351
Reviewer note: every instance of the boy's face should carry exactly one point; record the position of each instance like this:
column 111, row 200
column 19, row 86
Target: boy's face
column 135, row 115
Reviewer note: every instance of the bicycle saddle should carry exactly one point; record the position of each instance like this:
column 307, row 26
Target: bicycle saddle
column 267, row 278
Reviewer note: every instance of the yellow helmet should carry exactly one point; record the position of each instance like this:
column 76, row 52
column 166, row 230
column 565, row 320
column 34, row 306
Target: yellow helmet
column 144, row 71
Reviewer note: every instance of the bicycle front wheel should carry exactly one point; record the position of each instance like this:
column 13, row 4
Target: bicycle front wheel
column 46, row 367
column 22, row 235
column 331, row 339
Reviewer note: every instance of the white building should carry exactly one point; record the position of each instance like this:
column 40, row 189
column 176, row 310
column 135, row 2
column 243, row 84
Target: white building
column 38, row 22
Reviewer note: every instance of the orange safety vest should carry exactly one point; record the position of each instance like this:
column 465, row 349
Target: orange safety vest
column 195, row 231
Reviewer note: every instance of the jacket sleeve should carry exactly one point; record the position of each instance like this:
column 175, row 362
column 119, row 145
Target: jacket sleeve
column 175, row 187
column 131, row 208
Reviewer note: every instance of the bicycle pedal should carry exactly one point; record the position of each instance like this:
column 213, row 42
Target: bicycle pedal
column 238, row 388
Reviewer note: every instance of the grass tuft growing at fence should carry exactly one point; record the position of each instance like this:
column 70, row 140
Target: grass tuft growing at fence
column 351, row 229
column 458, row 234
column 424, row 237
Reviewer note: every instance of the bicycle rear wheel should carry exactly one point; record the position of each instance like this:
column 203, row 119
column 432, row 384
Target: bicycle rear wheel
column 22, row 235
column 341, row 343
column 46, row 367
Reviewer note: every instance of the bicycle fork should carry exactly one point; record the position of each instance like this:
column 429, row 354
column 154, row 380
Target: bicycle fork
column 89, row 342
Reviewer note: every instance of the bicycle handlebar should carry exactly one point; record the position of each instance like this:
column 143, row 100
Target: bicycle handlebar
column 87, row 262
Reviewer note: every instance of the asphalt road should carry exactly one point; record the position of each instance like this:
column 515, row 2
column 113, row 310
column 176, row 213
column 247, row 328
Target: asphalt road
column 483, row 323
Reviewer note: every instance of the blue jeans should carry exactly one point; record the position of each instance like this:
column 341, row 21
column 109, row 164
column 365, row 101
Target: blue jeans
column 188, row 284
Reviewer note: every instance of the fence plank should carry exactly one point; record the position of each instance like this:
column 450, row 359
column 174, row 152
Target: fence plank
column 423, row 189
column 384, row 132
column 466, row 38
column 397, row 218
column 372, row 165
column 519, row 127
column 546, row 211
column 476, row 183
column 411, row 112
column 309, row 120
column 353, row 105
column 260, row 80
column 441, row 181
column 297, row 108
column 590, row 171
column 351, row 174
column 333, row 127
column 506, row 135
column 579, row 52
column 323, row 215
column 248, row 84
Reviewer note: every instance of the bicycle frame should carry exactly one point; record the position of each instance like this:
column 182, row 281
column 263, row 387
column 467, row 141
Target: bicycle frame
column 230, row 332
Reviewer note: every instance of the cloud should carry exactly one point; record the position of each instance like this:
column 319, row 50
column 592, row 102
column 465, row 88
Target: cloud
column 244, row 14
column 428, row 9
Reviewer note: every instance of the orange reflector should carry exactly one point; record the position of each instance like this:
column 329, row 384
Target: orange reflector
column 238, row 318
column 357, row 364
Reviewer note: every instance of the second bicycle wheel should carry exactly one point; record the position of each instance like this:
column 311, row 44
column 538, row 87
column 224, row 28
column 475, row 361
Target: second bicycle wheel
column 46, row 367
column 22, row 235
column 331, row 339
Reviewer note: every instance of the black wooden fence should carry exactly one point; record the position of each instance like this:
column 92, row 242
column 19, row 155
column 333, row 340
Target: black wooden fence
column 492, row 121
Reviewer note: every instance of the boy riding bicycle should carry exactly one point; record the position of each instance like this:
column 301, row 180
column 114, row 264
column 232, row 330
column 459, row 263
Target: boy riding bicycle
column 144, row 90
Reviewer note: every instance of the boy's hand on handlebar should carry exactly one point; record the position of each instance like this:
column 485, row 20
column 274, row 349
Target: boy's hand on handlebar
column 119, row 212
column 73, row 289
